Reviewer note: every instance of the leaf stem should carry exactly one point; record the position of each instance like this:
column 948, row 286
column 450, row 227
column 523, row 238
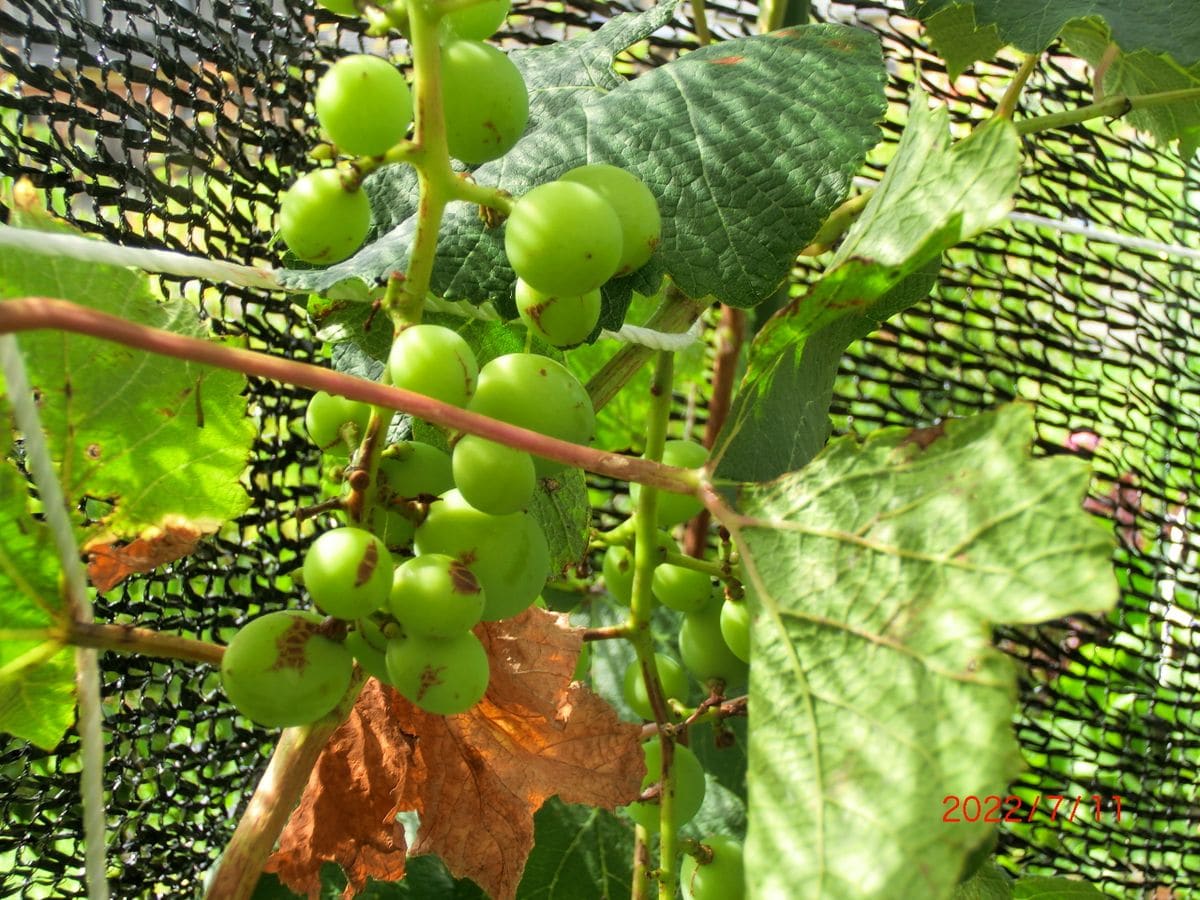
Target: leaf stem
column 1114, row 107
column 277, row 794
column 1008, row 103
column 641, row 864
column 700, row 21
column 837, row 224
column 30, row 313
column 607, row 633
column 146, row 641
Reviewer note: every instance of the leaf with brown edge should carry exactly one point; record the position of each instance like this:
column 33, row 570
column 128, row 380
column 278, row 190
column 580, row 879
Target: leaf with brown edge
column 477, row 779
column 347, row 813
column 111, row 562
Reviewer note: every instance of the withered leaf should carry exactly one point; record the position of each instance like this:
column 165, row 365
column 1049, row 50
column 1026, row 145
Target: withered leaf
column 347, row 813
column 110, row 563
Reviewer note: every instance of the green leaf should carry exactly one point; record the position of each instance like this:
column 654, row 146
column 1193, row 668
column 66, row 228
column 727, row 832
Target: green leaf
column 1159, row 26
column 37, row 677
column 1041, row 888
column 560, row 506
column 990, row 883
column 959, row 39
column 748, row 145
column 578, row 851
column 934, row 195
column 876, row 575
column 152, row 436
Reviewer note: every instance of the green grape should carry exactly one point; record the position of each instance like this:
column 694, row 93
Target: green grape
column 508, row 554
column 563, row 239
column 670, row 673
column 348, row 572
column 689, row 786
column 392, row 526
column 680, row 588
column 367, row 643
column 537, row 393
column 492, row 477
column 484, row 99
column 321, row 221
column 617, row 568
column 676, row 508
column 704, row 651
column 735, row 628
column 279, row 670
column 436, row 596
column 560, row 321
column 478, row 22
column 341, row 7
column 722, row 878
column 364, row 105
column 412, row 469
column 328, row 414
column 635, row 206
column 442, row 676
column 434, row 361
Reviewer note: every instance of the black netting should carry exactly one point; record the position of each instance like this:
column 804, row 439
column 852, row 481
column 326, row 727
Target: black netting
column 176, row 124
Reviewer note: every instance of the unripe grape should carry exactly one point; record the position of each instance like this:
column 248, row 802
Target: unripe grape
column 704, row 651
column 563, row 238
column 676, row 508
column 367, row 644
column 492, row 477
column 689, row 786
column 560, row 321
column 280, row 671
column 364, row 105
column 537, row 393
column 348, row 573
column 485, row 101
column 735, row 628
column 478, row 22
column 617, row 567
column 412, row 469
column 328, row 414
column 635, row 206
column 436, row 596
column 670, row 673
column 681, row 588
column 441, row 676
column 508, row 554
column 434, row 361
column 722, row 878
column 321, row 221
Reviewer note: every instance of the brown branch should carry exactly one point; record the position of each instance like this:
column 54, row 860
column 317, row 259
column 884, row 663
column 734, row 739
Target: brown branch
column 32, row 313
column 145, row 641
column 607, row 633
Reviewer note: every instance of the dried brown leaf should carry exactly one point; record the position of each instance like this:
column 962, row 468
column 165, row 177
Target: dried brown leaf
column 347, row 813
column 110, row 563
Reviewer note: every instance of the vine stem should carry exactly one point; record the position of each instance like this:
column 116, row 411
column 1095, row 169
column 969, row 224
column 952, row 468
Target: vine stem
column 29, row 313
column 1008, row 103
column 144, row 641
column 79, row 610
column 277, row 794
column 1114, row 107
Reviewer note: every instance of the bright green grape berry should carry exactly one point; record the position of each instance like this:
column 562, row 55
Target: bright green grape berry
column 561, row 321
column 321, row 221
column 412, row 469
column 436, row 596
column 617, row 568
column 735, row 628
column 441, row 676
column 484, row 99
column 364, row 105
column 508, row 554
column 492, row 477
column 348, row 573
column 478, row 22
column 676, row 508
column 280, row 671
column 341, row 7
column 434, row 361
column 670, row 673
column 537, row 393
column 635, row 206
column 689, row 786
column 680, row 588
column 392, row 526
column 704, row 651
column 563, row 239
column 722, row 878
column 367, row 644
column 328, row 414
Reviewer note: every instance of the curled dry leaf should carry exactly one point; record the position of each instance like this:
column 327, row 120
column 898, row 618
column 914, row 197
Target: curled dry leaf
column 476, row 779
column 110, row 563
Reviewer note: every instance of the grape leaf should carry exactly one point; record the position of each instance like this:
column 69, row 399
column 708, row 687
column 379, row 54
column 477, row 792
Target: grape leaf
column 477, row 779
column 990, row 882
column 578, row 849
column 152, row 437
column 1044, row 888
column 876, row 575
column 37, row 677
column 959, row 39
column 744, row 170
column 934, row 195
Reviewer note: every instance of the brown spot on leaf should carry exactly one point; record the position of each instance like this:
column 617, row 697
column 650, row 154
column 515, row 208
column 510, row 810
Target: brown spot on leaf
column 93, row 451
column 463, row 579
column 924, row 437
column 110, row 562
column 367, row 565
column 728, row 60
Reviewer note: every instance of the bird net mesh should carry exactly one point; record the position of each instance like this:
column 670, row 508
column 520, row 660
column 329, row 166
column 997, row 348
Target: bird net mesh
column 176, row 123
